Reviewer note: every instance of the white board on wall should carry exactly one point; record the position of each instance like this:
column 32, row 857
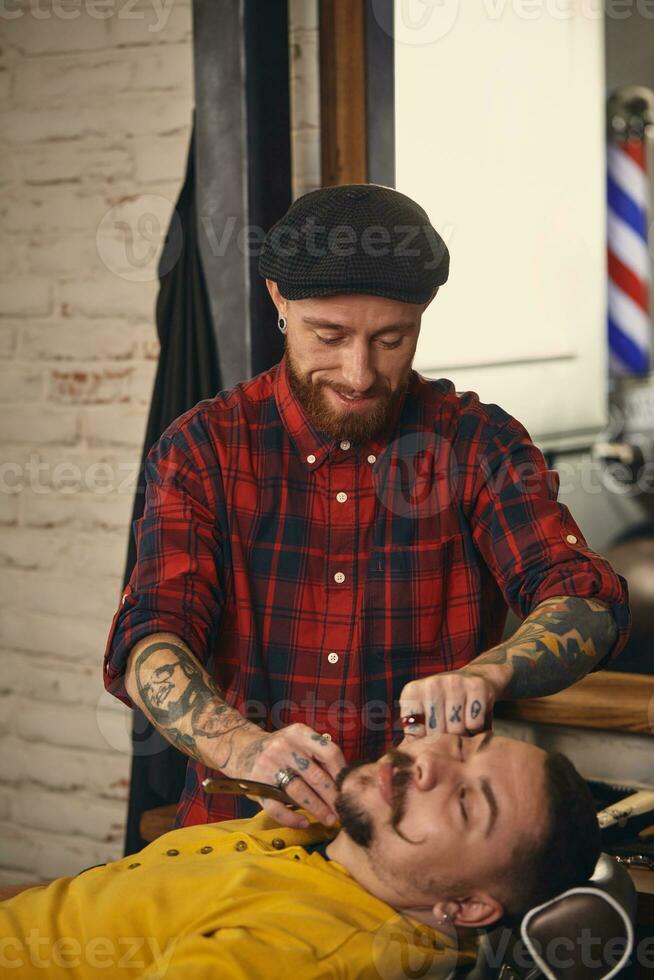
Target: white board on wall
column 500, row 137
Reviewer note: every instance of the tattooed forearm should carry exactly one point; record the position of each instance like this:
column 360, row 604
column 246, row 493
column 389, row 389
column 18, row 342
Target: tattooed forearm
column 556, row 645
column 183, row 702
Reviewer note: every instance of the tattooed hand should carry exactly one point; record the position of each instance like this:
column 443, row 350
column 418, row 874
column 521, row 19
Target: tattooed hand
column 558, row 643
column 315, row 758
column 459, row 701
column 167, row 682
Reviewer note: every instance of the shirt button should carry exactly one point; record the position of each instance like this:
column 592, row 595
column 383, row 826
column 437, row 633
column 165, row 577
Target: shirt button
column 341, row 497
column 333, row 658
column 372, row 459
column 339, row 577
column 173, row 852
column 571, row 539
column 240, row 845
column 345, row 445
column 311, row 458
column 278, row 843
column 206, row 850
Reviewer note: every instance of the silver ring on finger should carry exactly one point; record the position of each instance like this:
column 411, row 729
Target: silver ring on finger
column 285, row 776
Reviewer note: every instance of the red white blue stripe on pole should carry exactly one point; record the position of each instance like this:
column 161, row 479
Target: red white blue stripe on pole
column 630, row 334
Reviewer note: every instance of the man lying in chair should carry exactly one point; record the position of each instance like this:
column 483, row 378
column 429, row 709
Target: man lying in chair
column 439, row 838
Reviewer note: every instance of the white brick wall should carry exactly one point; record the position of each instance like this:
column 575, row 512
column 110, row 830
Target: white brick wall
column 94, row 114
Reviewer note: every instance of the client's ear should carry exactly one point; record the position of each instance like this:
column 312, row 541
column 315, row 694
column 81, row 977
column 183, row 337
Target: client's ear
column 474, row 912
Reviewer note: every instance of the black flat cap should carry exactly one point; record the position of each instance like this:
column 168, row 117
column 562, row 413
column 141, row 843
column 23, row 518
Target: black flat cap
column 355, row 238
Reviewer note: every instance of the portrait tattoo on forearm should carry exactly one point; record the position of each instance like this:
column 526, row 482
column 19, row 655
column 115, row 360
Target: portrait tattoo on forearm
column 183, row 702
column 556, row 645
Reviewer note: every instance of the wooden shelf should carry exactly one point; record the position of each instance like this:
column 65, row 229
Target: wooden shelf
column 607, row 700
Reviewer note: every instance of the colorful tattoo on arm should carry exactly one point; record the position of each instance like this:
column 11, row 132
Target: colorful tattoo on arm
column 560, row 642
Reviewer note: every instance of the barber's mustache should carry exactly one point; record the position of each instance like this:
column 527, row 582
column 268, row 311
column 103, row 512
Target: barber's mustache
column 375, row 392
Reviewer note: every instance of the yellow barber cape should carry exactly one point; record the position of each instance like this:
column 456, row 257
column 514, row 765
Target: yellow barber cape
column 240, row 899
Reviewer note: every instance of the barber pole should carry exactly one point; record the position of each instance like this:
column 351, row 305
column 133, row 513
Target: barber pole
column 629, row 263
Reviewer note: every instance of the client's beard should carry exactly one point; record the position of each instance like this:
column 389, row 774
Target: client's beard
column 355, row 821
column 337, row 425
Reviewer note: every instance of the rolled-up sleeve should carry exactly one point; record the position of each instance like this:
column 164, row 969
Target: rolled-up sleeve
column 530, row 541
column 177, row 585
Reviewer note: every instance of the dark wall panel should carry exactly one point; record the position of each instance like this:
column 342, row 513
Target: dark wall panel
column 244, row 168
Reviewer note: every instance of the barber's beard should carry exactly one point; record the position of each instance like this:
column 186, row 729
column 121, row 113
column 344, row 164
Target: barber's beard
column 355, row 426
column 355, row 820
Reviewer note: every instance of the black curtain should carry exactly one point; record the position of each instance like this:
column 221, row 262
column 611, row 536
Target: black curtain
column 188, row 371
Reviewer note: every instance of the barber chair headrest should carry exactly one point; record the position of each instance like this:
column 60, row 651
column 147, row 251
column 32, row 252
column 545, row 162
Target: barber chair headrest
column 585, row 933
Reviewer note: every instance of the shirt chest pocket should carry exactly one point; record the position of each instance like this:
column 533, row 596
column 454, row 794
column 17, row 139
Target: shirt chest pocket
column 414, row 597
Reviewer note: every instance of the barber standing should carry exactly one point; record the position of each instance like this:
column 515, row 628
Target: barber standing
column 335, row 542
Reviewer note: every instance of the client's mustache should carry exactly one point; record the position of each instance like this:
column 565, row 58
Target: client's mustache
column 402, row 774
column 398, row 759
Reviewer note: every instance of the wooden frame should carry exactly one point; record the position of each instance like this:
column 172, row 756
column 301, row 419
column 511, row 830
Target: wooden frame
column 343, row 92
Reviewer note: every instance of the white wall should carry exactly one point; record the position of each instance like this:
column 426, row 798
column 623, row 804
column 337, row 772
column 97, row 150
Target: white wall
column 95, row 117
column 500, row 136
column 95, row 129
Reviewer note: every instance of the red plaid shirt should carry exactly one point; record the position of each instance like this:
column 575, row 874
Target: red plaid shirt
column 315, row 578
